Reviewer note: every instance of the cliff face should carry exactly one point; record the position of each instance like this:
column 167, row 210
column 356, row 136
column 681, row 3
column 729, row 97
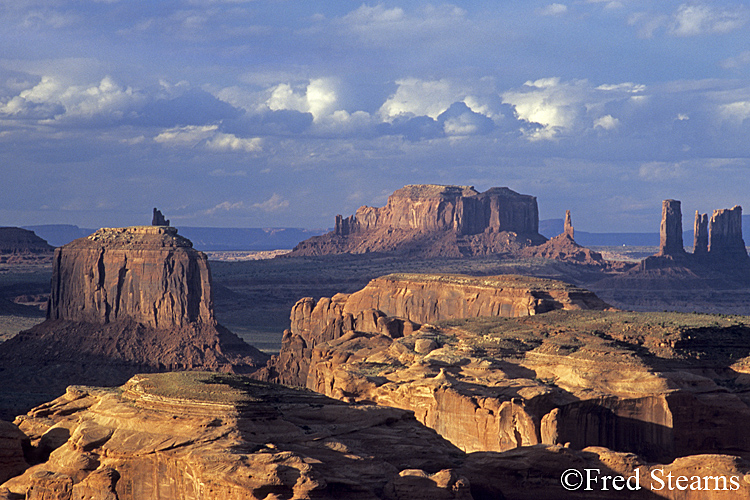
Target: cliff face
column 147, row 274
column 397, row 305
column 435, row 220
column 123, row 301
column 626, row 381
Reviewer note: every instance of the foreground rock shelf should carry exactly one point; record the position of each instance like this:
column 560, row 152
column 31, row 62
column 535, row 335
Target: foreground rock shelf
column 211, row 436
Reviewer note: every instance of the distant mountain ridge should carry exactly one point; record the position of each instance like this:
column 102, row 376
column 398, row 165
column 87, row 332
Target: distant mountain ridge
column 206, row 239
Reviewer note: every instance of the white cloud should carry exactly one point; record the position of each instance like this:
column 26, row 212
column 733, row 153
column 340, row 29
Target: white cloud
column 690, row 19
column 273, row 204
column 318, row 98
column 564, row 107
column 735, row 112
column 381, row 26
column 107, row 99
column 553, row 9
column 698, row 19
column 658, row 171
column 737, row 62
column 607, row 122
column 416, row 97
column 208, row 136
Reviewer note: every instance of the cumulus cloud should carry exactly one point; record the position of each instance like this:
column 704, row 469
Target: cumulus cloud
column 51, row 98
column 209, row 137
column 553, row 9
column 417, row 97
column 564, row 107
column 735, row 112
column 273, row 204
column 318, row 98
column 699, row 19
column 690, row 19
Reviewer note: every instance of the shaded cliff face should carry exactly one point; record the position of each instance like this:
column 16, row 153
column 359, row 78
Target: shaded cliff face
column 435, row 220
column 397, row 305
column 147, row 274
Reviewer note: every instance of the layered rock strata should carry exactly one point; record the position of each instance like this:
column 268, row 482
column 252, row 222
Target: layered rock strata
column 148, row 274
column 435, row 220
column 396, row 305
column 192, row 436
column 123, row 301
column 23, row 246
column 662, row 386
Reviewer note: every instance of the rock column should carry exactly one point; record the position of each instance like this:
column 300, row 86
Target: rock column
column 700, row 229
column 670, row 230
column 725, row 233
column 569, row 231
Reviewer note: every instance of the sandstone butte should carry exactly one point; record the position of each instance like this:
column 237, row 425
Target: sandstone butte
column 123, row 301
column 209, row 436
column 431, row 220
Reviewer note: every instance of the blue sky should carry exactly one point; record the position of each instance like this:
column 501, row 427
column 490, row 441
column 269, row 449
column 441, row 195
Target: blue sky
column 253, row 113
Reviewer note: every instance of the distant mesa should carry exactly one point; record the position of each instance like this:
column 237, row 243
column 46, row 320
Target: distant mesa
column 434, row 220
column 123, row 301
column 21, row 245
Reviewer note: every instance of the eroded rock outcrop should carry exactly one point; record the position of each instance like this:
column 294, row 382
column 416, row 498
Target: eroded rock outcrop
column 397, row 305
column 563, row 247
column 123, row 301
column 700, row 234
column 435, row 220
column 183, row 436
column 627, row 381
column 725, row 234
column 190, row 436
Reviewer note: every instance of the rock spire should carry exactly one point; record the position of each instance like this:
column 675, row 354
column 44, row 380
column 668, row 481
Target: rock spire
column 670, row 229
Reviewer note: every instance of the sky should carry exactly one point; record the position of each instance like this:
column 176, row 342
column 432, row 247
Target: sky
column 282, row 113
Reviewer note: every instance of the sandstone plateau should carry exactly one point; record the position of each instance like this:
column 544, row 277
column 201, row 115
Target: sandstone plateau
column 208, row 436
column 432, row 220
column 397, row 305
column 122, row 301
column 494, row 364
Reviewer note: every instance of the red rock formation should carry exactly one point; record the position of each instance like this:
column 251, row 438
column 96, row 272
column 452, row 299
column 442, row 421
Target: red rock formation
column 148, row 274
column 725, row 234
column 191, row 436
column 670, row 229
column 123, row 301
column 568, row 228
column 396, row 305
column 700, row 232
column 19, row 246
column 435, row 220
